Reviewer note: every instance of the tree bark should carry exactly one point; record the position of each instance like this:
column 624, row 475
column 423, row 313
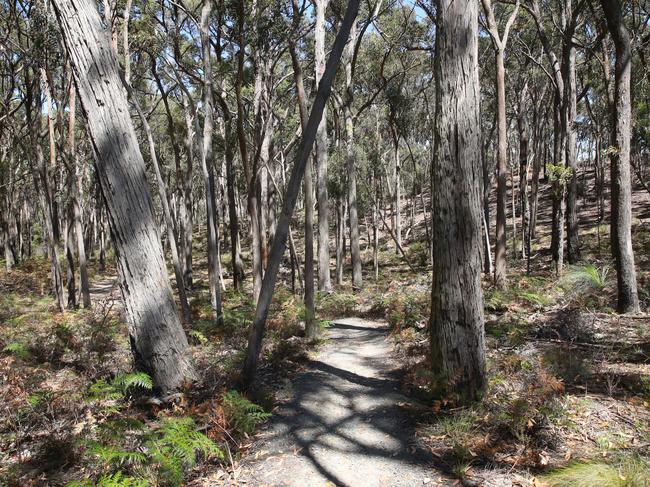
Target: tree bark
column 207, row 167
column 456, row 325
column 621, row 223
column 157, row 338
column 324, row 278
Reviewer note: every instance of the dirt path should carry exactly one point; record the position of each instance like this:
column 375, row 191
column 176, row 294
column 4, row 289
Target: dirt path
column 344, row 422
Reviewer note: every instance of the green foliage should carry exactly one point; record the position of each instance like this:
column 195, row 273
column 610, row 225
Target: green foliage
column 118, row 479
column 583, row 284
column 176, row 446
column 583, row 279
column 115, row 456
column 18, row 349
column 407, row 309
column 242, row 414
column 337, row 304
column 154, row 456
column 628, row 472
column 559, row 176
column 121, row 386
column 198, row 337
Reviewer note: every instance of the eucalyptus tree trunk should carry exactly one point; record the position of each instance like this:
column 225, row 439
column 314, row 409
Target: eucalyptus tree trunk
column 310, row 307
column 340, row 239
column 324, row 278
column 355, row 250
column 157, row 338
column 291, row 194
column 499, row 42
column 456, row 325
column 45, row 196
column 522, row 128
column 76, row 198
column 172, row 234
column 207, row 167
column 398, row 194
column 621, row 223
column 568, row 125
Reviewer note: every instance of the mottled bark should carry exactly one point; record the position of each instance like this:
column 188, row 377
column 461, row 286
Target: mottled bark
column 324, row 278
column 621, row 224
column 456, row 325
column 157, row 338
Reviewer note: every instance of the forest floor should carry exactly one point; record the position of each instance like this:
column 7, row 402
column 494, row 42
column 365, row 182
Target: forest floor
column 568, row 399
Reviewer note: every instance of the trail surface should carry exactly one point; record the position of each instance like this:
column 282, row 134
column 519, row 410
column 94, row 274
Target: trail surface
column 344, row 421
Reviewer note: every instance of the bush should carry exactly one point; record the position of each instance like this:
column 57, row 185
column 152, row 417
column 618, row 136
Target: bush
column 407, row 309
column 337, row 304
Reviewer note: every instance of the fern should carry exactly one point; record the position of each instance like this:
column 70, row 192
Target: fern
column 118, row 479
column 242, row 414
column 135, row 380
column 18, row 349
column 119, row 387
column 176, row 445
column 114, row 456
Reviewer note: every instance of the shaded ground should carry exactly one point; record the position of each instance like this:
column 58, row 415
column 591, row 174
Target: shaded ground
column 344, row 421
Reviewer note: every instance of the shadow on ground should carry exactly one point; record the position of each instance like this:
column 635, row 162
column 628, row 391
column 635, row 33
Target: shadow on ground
column 345, row 421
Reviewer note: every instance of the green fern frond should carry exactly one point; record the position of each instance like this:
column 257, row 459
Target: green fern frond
column 134, row 380
column 115, row 456
column 243, row 414
column 18, row 349
column 118, row 479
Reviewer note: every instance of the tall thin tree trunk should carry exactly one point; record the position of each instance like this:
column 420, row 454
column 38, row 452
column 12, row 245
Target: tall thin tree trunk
column 621, row 226
column 324, row 278
column 76, row 201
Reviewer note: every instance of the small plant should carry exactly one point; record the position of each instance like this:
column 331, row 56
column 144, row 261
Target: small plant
column 18, row 349
column 154, row 456
column 119, row 387
column 242, row 414
column 337, row 304
column 176, row 445
column 587, row 278
column 627, row 472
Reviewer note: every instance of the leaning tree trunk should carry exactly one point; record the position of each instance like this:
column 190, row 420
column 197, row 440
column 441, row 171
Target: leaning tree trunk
column 297, row 173
column 456, row 325
column 157, row 338
column 621, row 226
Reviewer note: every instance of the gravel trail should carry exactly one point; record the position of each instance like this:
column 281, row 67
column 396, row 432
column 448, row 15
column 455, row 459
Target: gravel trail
column 344, row 421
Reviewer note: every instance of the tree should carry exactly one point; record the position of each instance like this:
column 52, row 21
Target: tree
column 157, row 338
column 621, row 126
column 324, row 279
column 499, row 42
column 456, row 324
column 291, row 194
